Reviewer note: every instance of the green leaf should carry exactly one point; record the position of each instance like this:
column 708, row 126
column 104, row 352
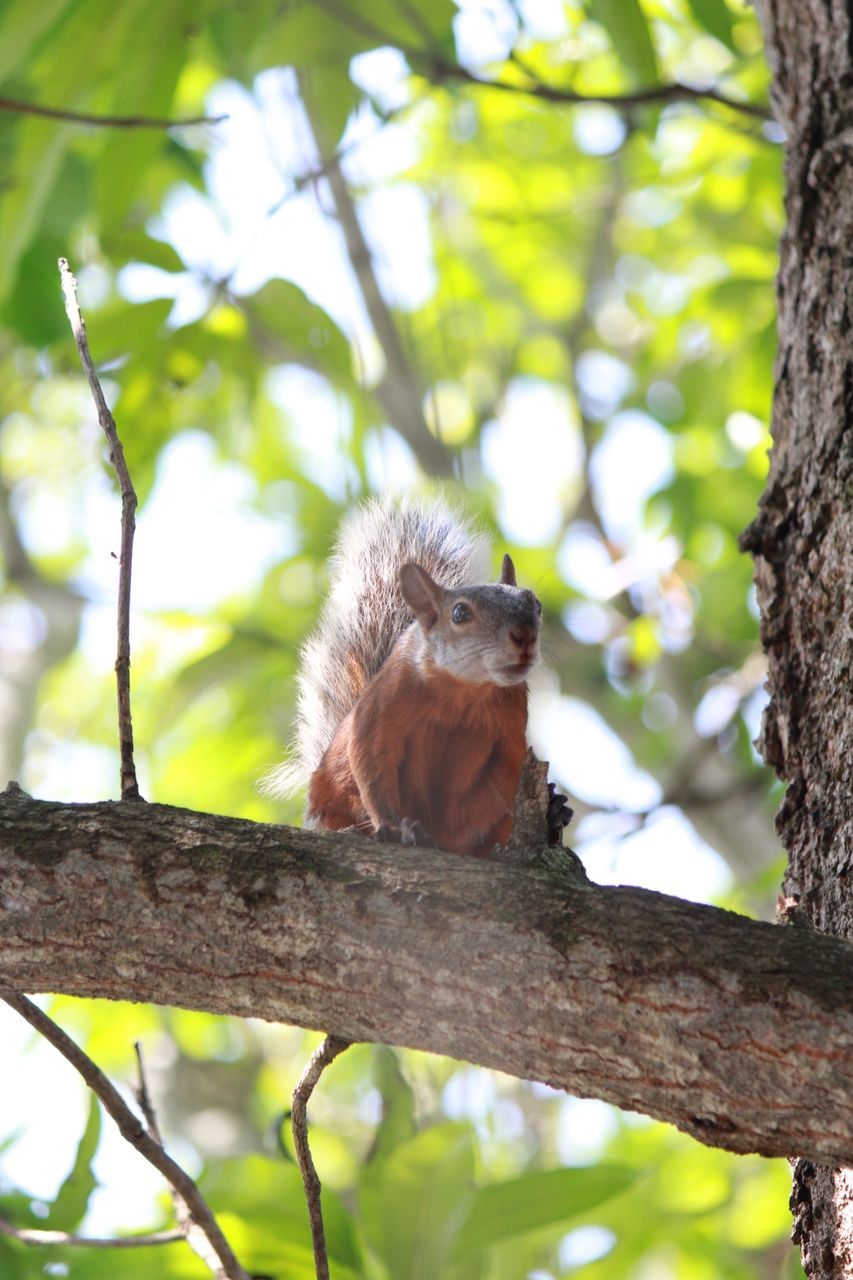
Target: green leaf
column 305, row 34
column 22, row 25
column 413, row 1203
column 130, row 244
column 127, row 330
column 717, row 19
column 165, row 1262
column 245, row 37
column 33, row 169
column 418, row 24
column 65, row 74
column 625, row 23
column 73, row 1196
column 331, row 98
column 398, row 1104
column 157, row 50
column 30, row 308
column 541, row 1199
column 301, row 326
column 261, row 1191
column 13, row 1264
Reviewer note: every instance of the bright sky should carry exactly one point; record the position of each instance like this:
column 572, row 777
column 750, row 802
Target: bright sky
column 262, row 145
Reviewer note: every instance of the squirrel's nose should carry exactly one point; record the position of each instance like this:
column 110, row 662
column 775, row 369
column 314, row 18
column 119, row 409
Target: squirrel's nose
column 523, row 636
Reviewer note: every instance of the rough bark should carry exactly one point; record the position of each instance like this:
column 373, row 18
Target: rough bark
column 803, row 536
column 739, row 1032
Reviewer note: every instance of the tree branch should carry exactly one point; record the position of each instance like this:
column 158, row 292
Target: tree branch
column 32, row 1236
column 739, row 1032
column 129, row 785
column 193, row 1232
column 654, row 95
column 131, row 1129
column 398, row 392
column 18, row 107
column 316, row 1065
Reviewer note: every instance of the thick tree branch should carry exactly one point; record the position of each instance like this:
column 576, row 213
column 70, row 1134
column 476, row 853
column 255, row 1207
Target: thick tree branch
column 740, row 1033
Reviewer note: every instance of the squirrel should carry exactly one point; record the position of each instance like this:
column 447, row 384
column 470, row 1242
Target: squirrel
column 412, row 692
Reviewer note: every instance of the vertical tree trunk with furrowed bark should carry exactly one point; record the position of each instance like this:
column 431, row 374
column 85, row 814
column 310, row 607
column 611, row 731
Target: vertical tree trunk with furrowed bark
column 803, row 537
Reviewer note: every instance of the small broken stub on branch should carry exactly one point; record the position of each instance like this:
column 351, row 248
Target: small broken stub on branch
column 532, row 822
column 530, row 815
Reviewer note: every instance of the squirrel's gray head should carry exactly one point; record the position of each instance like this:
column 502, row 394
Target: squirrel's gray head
column 485, row 634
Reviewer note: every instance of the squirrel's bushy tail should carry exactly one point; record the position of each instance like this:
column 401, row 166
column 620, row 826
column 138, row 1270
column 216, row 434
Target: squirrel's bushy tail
column 364, row 613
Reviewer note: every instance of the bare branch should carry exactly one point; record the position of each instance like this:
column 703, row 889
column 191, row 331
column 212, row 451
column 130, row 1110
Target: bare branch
column 317, row 1063
column 32, row 1236
column 129, row 785
column 143, row 1097
column 18, row 107
column 297, row 183
column 399, row 391
column 654, row 95
column 131, row 1129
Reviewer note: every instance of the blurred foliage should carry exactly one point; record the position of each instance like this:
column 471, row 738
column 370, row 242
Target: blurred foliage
column 586, row 287
column 480, row 1194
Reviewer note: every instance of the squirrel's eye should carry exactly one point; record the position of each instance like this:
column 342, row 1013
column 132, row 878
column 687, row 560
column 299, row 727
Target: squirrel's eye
column 461, row 613
column 539, row 607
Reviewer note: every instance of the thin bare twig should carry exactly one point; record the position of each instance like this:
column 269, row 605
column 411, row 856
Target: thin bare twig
column 188, row 1228
column 129, row 785
column 143, row 1097
column 317, row 1063
column 32, row 1236
column 658, row 94
column 310, row 177
column 107, row 122
column 132, row 1130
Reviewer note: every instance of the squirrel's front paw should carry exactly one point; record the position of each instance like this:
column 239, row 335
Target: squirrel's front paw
column 411, row 833
column 559, row 814
column 414, row 834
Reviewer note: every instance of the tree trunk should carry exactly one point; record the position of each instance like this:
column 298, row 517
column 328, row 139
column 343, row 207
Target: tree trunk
column 739, row 1032
column 803, row 536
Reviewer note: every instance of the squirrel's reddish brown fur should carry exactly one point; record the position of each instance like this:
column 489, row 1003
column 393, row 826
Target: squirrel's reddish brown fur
column 430, row 743
column 457, row 774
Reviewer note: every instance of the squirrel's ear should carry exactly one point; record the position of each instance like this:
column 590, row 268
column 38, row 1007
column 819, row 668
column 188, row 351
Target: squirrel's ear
column 507, row 577
column 423, row 596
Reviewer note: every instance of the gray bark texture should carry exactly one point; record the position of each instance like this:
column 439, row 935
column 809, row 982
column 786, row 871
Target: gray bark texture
column 803, row 536
column 739, row 1032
